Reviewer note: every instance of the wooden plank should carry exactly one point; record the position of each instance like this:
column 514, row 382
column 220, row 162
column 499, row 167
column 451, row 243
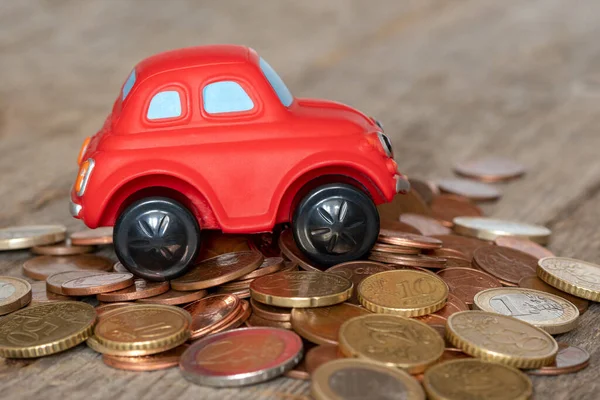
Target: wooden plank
column 450, row 80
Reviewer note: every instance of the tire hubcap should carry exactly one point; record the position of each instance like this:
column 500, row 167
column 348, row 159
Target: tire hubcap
column 157, row 237
column 336, row 226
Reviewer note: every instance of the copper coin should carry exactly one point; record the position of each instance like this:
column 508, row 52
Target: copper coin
column 118, row 267
column 321, row 325
column 408, row 239
column 215, row 243
column 241, row 357
column 426, row 225
column 39, row 294
column 273, row 313
column 428, row 190
column 431, row 319
column 506, row 264
column 174, row 297
column 55, row 281
column 526, row 246
column 410, row 261
column 102, row 309
column 61, row 249
column 140, row 289
column 153, row 362
column 255, row 320
column 211, row 313
column 42, row 267
column 243, row 313
column 298, row 372
column 490, row 169
column 398, row 226
column 453, row 305
column 533, row 282
column 410, row 202
column 447, row 207
column 241, row 294
column 269, row 265
column 99, row 283
column 446, row 252
column 218, row 270
column 237, row 285
column 356, row 271
column 473, row 190
column 452, row 262
column 289, row 248
column 390, row 248
column 463, row 244
column 453, row 354
column 319, row 355
column 93, row 236
column 465, row 283
column 569, row 359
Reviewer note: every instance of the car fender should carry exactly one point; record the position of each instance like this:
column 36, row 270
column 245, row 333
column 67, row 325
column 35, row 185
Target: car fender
column 134, row 180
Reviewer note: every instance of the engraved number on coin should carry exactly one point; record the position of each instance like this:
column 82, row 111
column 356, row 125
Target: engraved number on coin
column 30, row 331
column 420, row 287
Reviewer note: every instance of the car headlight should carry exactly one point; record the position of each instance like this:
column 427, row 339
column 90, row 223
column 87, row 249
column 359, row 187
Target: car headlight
column 386, row 144
column 84, row 175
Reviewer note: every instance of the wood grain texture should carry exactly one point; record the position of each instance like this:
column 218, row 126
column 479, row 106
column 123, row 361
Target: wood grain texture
column 450, row 80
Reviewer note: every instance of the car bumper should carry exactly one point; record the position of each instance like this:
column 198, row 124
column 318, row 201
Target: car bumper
column 402, row 184
column 75, row 209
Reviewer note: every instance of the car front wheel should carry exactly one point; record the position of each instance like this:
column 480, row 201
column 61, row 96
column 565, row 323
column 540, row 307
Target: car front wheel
column 335, row 223
column 156, row 238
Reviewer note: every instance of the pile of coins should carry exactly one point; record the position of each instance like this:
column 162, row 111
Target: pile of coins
column 449, row 304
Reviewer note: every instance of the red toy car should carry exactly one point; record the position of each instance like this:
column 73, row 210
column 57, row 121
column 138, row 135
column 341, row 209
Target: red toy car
column 211, row 138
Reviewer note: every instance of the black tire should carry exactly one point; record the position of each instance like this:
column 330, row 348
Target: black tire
column 335, row 223
column 156, row 238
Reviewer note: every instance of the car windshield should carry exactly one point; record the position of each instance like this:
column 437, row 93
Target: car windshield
column 284, row 94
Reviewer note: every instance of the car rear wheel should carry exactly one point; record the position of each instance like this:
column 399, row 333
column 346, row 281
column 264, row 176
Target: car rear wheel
column 156, row 238
column 335, row 223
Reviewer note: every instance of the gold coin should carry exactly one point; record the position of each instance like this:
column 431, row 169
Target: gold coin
column 15, row 293
column 45, row 329
column 403, row 292
column 551, row 313
column 501, row 339
column 391, row 340
column 23, row 237
column 301, row 289
column 475, row 379
column 362, row 379
column 143, row 329
column 579, row 278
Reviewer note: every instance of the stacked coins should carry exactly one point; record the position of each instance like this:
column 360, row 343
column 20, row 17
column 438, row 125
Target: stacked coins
column 447, row 305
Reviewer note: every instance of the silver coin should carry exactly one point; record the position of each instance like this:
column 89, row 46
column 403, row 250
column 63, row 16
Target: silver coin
column 490, row 229
column 544, row 310
column 241, row 357
column 23, row 237
column 468, row 188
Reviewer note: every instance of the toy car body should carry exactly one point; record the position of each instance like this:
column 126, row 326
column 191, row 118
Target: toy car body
column 211, row 138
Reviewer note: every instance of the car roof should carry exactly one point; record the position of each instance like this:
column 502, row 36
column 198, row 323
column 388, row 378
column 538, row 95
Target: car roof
column 191, row 57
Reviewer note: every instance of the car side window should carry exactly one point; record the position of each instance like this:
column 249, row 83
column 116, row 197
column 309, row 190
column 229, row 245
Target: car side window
column 164, row 105
column 225, row 97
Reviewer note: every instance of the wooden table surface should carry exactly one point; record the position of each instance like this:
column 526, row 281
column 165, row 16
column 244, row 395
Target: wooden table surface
column 450, row 79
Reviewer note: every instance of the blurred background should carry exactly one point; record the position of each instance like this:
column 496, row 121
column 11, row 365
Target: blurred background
column 449, row 79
